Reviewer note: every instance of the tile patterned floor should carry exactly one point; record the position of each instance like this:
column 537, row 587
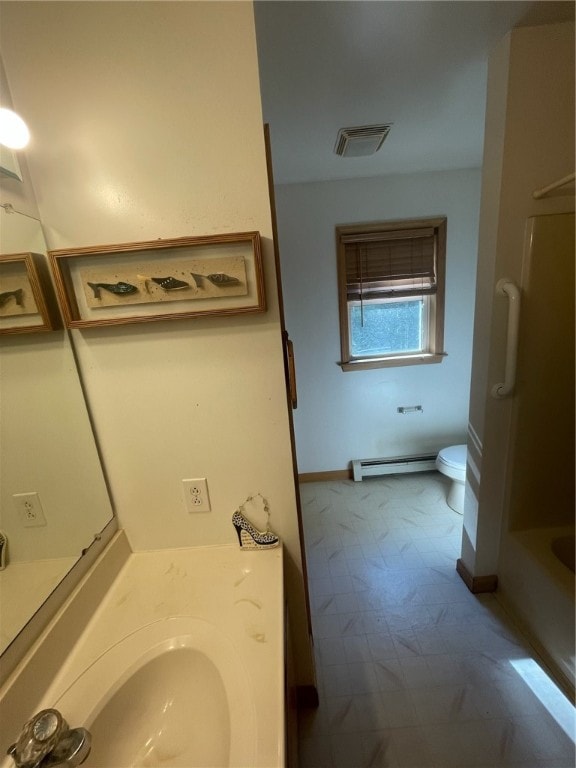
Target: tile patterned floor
column 414, row 671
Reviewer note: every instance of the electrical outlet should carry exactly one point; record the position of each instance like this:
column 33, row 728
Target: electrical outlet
column 196, row 495
column 29, row 509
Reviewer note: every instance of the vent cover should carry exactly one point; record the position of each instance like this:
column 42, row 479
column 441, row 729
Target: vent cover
column 362, row 140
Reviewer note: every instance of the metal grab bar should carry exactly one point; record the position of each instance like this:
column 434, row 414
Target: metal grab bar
column 506, row 287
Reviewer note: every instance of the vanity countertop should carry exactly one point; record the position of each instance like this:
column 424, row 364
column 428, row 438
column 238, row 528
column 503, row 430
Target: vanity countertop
column 238, row 592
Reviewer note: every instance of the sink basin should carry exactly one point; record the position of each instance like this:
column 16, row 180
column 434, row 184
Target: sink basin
column 172, row 694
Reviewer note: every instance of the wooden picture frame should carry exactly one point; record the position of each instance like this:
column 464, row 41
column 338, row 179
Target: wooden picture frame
column 160, row 280
column 27, row 299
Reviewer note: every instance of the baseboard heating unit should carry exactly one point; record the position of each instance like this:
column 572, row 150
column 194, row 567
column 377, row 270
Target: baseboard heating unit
column 393, row 466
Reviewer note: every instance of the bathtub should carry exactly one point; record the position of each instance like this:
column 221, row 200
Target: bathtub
column 182, row 664
column 536, row 581
column 550, row 549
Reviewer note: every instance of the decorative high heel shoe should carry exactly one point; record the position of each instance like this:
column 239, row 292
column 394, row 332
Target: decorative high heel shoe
column 167, row 283
column 17, row 295
column 222, row 279
column 250, row 537
column 119, row 289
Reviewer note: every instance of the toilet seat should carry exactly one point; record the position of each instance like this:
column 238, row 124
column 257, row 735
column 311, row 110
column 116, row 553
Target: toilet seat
column 451, row 462
column 454, row 456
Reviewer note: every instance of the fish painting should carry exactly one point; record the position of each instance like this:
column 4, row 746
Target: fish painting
column 118, row 289
column 18, row 295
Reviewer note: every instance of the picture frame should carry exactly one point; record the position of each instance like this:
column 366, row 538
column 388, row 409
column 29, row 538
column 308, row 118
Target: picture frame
column 155, row 280
column 27, row 299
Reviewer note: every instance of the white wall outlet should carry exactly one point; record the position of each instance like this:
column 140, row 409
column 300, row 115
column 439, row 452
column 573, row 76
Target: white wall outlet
column 29, row 509
column 196, row 495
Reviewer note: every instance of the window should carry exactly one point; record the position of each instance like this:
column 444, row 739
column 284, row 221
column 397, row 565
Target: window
column 391, row 293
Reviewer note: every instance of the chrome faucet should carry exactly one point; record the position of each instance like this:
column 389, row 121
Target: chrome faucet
column 47, row 742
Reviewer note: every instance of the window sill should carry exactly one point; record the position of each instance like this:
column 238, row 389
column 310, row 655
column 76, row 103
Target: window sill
column 391, row 362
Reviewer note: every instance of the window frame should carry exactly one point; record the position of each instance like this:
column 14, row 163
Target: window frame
column 345, row 235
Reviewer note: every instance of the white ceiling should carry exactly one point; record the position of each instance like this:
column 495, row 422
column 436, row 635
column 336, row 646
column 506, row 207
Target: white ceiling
column 420, row 65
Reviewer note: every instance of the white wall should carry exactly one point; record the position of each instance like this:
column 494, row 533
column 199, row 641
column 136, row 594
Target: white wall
column 147, row 123
column 344, row 416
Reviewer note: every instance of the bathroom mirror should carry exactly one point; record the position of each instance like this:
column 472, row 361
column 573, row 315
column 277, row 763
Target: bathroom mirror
column 53, row 495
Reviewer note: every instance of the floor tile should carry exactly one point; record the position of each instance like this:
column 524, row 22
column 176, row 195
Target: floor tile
column 413, row 670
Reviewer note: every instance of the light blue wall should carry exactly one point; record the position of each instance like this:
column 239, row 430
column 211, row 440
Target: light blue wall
column 344, row 416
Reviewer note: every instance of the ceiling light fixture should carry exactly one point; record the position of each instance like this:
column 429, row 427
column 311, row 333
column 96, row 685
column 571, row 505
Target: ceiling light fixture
column 14, row 132
column 361, row 140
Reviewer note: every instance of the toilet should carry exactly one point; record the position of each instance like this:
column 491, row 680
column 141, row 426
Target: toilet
column 451, row 462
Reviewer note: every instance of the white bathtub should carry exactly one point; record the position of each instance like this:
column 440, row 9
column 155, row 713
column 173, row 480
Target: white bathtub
column 182, row 664
column 539, row 588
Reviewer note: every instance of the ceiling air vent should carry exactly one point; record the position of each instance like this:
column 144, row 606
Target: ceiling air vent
column 362, row 140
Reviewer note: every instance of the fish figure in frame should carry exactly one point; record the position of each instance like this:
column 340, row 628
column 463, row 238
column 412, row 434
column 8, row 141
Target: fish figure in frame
column 18, row 295
column 118, row 289
column 167, row 283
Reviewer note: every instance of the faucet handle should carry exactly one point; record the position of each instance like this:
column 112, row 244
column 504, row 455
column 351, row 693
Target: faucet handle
column 72, row 749
column 38, row 738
